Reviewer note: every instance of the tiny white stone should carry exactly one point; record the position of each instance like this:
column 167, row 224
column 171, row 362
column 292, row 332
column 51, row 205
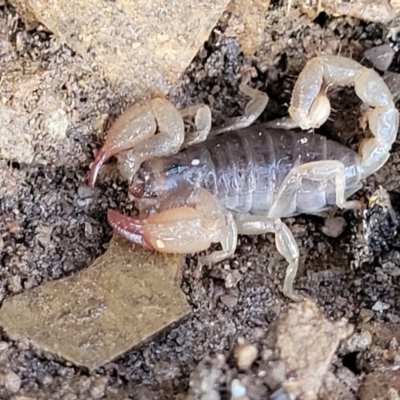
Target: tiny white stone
column 303, row 140
column 160, row 244
column 237, row 389
column 379, row 306
column 195, row 161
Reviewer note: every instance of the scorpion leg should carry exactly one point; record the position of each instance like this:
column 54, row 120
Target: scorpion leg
column 228, row 240
column 203, row 123
column 318, row 171
column 253, row 110
column 168, row 141
column 258, row 224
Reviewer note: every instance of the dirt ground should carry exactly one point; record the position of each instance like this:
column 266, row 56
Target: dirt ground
column 53, row 225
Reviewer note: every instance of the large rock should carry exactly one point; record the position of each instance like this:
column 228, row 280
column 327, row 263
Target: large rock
column 142, row 45
column 125, row 297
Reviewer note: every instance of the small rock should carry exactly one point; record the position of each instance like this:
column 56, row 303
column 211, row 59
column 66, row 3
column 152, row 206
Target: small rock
column 280, row 394
column 380, row 56
column 267, row 354
column 275, row 374
column 85, row 192
column 379, row 306
column 14, row 284
column 13, row 227
column 366, row 315
column 56, row 124
column 45, row 380
column 43, row 234
column 229, row 301
column 4, row 346
column 98, row 388
column 357, row 342
column 297, row 333
column 245, row 354
column 238, row 390
column 10, row 380
column 334, row 226
column 391, row 268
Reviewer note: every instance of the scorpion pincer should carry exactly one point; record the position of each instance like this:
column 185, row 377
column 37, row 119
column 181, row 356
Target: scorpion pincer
column 209, row 186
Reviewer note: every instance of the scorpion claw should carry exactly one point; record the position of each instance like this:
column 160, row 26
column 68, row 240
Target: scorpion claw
column 134, row 126
column 130, row 228
column 177, row 230
column 101, row 158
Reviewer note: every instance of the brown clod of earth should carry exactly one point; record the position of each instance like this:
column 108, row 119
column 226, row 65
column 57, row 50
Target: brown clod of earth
column 381, row 385
column 125, row 297
column 140, row 44
column 306, row 341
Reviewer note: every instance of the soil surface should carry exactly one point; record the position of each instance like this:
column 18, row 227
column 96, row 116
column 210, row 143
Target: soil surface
column 53, row 225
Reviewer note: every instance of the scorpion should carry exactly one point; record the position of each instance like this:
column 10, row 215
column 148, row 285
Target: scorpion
column 208, row 186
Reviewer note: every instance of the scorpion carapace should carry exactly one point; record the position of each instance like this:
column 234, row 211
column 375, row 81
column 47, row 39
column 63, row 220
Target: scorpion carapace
column 208, row 187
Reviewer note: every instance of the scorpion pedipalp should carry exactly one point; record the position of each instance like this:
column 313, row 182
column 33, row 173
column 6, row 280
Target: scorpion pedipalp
column 135, row 125
column 170, row 231
column 132, row 136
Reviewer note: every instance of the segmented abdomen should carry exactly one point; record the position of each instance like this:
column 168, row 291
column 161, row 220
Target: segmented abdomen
column 247, row 168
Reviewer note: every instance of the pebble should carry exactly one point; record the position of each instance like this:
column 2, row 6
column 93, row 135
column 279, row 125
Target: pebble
column 14, row 284
column 334, row 227
column 275, row 374
column 391, row 268
column 366, row 315
column 379, row 306
column 98, row 388
column 13, row 227
column 245, row 354
column 238, row 390
column 229, row 301
column 358, row 342
column 380, row 56
column 85, row 192
column 45, row 380
column 3, row 346
column 280, row 394
column 10, row 380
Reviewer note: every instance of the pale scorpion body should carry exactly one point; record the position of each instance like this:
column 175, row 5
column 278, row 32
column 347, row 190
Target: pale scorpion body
column 243, row 179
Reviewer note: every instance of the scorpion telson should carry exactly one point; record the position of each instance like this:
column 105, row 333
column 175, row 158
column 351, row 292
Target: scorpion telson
column 205, row 188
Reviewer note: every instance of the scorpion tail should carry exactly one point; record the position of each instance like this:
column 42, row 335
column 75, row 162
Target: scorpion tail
column 129, row 228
